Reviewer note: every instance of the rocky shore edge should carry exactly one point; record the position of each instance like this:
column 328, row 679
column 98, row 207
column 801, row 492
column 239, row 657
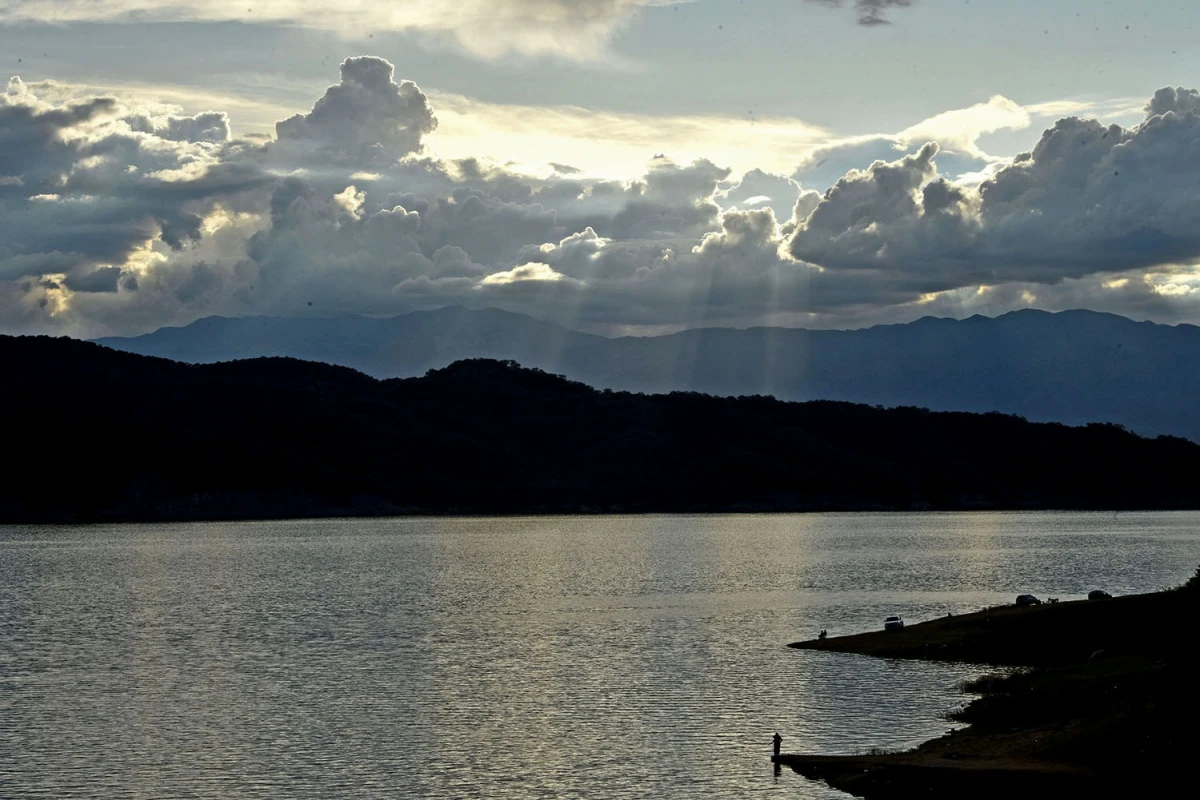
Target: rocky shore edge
column 1098, row 698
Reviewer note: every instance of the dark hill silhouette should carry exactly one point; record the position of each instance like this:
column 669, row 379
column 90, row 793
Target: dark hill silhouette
column 1073, row 367
column 99, row 434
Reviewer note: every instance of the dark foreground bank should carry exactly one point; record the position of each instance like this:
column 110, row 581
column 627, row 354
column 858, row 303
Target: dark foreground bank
column 95, row 434
column 1108, row 706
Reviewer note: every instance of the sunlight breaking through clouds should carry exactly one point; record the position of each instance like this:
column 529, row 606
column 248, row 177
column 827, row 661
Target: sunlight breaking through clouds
column 121, row 215
column 525, row 272
column 611, row 143
column 961, row 129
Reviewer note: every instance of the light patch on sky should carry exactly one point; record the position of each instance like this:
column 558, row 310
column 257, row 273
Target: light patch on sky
column 576, row 29
column 612, row 144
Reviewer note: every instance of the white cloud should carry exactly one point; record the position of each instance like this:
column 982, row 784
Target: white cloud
column 525, row 272
column 1111, row 108
column 351, row 200
column 365, row 120
column 1088, row 200
column 575, row 29
column 119, row 215
column 961, row 129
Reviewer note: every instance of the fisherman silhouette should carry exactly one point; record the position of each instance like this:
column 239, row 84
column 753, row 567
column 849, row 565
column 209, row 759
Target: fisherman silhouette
column 777, row 740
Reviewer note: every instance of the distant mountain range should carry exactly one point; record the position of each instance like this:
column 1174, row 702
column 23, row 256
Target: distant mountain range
column 1073, row 367
column 97, row 434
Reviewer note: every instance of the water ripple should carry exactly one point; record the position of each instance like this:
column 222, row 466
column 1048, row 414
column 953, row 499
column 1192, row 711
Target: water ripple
column 622, row 657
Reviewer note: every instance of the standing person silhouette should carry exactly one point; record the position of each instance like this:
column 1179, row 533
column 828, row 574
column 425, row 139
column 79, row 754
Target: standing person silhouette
column 777, row 740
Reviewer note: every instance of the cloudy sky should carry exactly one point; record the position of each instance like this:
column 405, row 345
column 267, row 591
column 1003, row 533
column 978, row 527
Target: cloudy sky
column 620, row 166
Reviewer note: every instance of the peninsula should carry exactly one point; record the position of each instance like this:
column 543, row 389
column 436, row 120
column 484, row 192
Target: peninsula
column 1104, row 703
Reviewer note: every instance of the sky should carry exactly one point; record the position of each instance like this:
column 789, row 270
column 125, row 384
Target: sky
column 618, row 166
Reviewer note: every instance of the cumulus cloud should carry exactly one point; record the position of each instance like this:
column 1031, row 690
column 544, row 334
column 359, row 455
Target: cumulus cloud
column 119, row 217
column 336, row 246
column 576, row 29
column 851, row 224
column 957, row 133
column 670, row 200
column 209, row 126
column 321, row 248
column 760, row 189
column 734, row 274
column 739, row 270
column 1176, row 99
column 90, row 184
column 1088, row 199
column 367, row 120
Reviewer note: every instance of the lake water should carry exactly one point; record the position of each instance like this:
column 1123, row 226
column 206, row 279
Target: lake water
column 562, row 657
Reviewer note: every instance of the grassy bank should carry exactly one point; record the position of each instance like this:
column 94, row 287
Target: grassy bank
column 1108, row 708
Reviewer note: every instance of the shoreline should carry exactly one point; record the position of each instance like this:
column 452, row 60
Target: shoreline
column 1104, row 705
column 276, row 515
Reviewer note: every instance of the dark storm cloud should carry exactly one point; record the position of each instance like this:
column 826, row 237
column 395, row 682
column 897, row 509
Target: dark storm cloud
column 104, row 279
column 32, row 146
column 84, row 184
column 870, row 12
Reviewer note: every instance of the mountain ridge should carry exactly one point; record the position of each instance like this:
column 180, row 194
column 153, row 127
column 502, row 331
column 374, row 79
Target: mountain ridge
column 103, row 435
column 1073, row 366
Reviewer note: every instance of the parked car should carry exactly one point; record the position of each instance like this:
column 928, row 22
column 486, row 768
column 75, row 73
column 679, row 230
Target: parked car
column 893, row 624
column 1099, row 594
column 1028, row 600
